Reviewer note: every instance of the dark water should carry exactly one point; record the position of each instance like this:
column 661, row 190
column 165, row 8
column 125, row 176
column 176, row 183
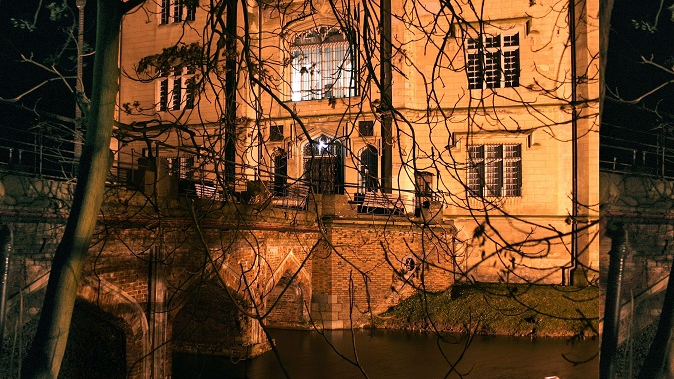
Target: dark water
column 401, row 355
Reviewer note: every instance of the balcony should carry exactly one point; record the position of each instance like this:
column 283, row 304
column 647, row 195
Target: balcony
column 175, row 172
column 645, row 153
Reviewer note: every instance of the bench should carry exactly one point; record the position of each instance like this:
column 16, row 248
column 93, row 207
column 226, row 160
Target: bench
column 205, row 191
column 374, row 202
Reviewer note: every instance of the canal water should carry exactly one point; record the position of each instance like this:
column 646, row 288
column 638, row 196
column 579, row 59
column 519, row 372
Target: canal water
column 401, row 355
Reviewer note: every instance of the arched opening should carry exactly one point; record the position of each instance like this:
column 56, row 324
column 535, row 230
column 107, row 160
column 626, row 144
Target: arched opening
column 323, row 65
column 279, row 183
column 423, row 194
column 368, row 180
column 286, row 302
column 208, row 323
column 324, row 165
column 96, row 345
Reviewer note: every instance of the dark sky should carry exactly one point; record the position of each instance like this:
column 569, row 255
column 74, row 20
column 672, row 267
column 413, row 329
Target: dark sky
column 42, row 40
column 626, row 73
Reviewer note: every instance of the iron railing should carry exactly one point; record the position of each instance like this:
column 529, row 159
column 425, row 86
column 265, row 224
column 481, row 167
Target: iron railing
column 47, row 152
column 629, row 151
column 171, row 170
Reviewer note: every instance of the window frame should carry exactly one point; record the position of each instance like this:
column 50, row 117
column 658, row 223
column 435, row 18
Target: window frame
column 493, row 61
column 366, row 128
column 176, row 81
column 174, row 12
column 276, row 133
column 494, row 170
column 319, row 50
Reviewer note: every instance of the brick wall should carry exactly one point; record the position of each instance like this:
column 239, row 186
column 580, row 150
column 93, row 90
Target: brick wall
column 143, row 265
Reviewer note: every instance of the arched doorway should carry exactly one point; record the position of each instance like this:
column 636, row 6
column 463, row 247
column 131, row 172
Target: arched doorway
column 368, row 169
column 208, row 323
column 324, row 165
column 287, row 303
column 279, row 185
column 96, row 345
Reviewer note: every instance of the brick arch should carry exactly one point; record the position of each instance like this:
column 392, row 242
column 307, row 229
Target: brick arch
column 290, row 266
column 113, row 300
column 252, row 339
column 207, row 322
column 290, row 263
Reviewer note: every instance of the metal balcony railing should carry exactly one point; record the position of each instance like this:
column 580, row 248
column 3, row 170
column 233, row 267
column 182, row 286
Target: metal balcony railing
column 649, row 153
column 177, row 171
column 41, row 152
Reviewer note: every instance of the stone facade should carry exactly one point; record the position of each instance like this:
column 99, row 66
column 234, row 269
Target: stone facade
column 549, row 116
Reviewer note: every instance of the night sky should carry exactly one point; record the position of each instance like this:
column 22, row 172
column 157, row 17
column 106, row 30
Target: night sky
column 627, row 76
column 41, row 42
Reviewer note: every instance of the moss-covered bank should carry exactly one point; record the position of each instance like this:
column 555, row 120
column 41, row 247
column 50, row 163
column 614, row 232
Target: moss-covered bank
column 500, row 309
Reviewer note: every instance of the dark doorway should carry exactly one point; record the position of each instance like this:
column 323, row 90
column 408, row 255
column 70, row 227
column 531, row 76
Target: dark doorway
column 324, row 166
column 369, row 170
column 96, row 345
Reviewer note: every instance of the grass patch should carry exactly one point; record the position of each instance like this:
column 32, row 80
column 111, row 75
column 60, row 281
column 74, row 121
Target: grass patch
column 500, row 309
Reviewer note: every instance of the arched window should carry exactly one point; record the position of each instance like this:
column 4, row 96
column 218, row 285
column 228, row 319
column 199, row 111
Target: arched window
column 279, row 185
column 368, row 180
column 323, row 65
column 324, row 166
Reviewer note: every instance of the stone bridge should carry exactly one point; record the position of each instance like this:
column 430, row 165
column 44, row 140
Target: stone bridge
column 194, row 275
column 642, row 204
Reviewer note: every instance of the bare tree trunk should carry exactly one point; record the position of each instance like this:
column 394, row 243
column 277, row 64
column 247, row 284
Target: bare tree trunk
column 46, row 352
column 609, row 339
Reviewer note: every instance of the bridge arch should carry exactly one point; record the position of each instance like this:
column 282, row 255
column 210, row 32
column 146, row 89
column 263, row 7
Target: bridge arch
column 288, row 294
column 205, row 319
column 114, row 301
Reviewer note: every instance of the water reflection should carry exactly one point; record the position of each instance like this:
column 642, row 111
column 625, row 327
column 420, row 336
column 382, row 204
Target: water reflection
column 401, row 355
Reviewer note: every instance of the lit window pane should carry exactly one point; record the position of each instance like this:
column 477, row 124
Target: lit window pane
column 325, row 67
column 493, row 61
column 494, row 170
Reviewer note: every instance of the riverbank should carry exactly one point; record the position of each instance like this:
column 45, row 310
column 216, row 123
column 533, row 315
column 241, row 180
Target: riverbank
column 500, row 309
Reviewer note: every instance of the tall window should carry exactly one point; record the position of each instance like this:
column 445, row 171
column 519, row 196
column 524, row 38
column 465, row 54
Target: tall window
column 279, row 185
column 322, row 66
column 495, row 170
column 368, row 168
column 493, row 61
column 423, row 194
column 174, row 11
column 324, row 166
column 176, row 89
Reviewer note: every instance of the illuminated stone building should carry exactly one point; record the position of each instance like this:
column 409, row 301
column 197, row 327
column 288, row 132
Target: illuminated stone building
column 477, row 122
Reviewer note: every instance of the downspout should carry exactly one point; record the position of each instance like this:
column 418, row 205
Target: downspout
column 386, row 72
column 259, row 92
column 6, row 240
column 568, row 271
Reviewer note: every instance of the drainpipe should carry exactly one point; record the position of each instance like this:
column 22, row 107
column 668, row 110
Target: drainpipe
column 5, row 252
column 609, row 339
column 258, row 106
column 567, row 276
column 386, row 73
